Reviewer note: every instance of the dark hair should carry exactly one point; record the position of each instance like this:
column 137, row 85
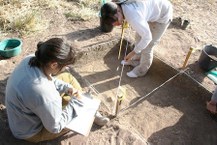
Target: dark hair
column 108, row 10
column 54, row 49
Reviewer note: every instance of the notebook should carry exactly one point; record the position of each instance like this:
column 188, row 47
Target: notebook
column 85, row 115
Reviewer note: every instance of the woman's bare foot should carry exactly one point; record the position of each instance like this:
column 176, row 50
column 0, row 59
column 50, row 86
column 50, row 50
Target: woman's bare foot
column 211, row 107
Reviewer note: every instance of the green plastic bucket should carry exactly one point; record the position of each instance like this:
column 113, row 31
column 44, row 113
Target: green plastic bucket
column 10, row 47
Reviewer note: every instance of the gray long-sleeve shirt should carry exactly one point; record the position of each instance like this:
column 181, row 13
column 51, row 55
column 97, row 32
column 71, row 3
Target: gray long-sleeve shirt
column 33, row 102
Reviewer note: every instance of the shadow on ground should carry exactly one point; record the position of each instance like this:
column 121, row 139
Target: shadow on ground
column 83, row 35
column 195, row 125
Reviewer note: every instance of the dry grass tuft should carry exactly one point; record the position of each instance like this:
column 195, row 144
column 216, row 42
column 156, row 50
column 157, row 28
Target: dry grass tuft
column 85, row 10
column 82, row 15
column 24, row 16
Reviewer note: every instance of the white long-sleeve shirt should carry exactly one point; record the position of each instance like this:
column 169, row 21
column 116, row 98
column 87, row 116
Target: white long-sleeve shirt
column 33, row 102
column 140, row 12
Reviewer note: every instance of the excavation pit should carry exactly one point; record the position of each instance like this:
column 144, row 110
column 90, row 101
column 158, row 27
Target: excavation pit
column 169, row 113
column 163, row 113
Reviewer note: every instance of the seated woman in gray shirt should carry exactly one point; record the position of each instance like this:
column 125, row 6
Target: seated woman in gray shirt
column 33, row 101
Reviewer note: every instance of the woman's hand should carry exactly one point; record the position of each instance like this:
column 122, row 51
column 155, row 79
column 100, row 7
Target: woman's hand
column 129, row 56
column 73, row 92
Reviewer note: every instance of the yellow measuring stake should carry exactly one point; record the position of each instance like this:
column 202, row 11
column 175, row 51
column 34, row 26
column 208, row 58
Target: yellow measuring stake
column 121, row 93
column 191, row 50
column 124, row 26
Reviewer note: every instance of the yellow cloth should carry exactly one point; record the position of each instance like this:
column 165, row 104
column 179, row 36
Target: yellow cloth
column 67, row 77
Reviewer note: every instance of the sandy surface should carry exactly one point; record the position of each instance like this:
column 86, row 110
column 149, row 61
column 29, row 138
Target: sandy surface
column 173, row 114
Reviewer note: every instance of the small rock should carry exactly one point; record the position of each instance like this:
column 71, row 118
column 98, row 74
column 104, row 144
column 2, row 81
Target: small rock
column 2, row 107
column 110, row 99
column 3, row 62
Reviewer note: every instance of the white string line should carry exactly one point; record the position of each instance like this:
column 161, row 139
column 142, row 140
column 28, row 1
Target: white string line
column 143, row 97
column 92, row 87
column 86, row 81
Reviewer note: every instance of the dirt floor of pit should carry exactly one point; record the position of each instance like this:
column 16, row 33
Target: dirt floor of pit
column 174, row 112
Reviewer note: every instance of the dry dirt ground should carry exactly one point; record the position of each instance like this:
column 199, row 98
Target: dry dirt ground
column 173, row 114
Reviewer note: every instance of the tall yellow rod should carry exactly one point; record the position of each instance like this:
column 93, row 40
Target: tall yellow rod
column 124, row 25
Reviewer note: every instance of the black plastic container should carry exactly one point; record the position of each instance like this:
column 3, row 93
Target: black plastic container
column 208, row 58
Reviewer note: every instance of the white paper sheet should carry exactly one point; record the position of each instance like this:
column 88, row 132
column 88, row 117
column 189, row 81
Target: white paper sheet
column 86, row 114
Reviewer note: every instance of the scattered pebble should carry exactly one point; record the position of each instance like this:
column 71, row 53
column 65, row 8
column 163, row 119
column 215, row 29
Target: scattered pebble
column 3, row 62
